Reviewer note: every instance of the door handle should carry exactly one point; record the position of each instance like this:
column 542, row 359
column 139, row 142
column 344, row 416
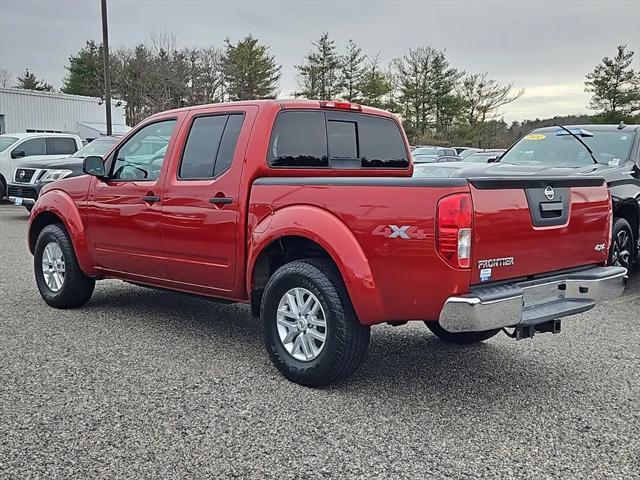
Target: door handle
column 221, row 200
column 151, row 198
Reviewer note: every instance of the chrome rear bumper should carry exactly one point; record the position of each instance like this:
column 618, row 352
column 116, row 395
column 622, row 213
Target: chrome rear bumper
column 532, row 302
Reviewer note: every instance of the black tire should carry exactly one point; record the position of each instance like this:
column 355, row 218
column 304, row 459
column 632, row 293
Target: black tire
column 460, row 338
column 3, row 188
column 622, row 252
column 76, row 288
column 346, row 339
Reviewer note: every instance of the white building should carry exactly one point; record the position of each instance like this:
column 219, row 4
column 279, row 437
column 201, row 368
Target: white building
column 33, row 111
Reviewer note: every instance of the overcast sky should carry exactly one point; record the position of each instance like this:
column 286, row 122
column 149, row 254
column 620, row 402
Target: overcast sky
column 544, row 46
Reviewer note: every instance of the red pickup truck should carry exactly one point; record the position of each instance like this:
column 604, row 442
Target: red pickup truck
column 307, row 211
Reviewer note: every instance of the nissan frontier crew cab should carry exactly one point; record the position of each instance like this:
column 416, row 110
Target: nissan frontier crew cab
column 307, row 211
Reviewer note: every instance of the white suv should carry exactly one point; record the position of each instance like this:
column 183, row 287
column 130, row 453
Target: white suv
column 14, row 147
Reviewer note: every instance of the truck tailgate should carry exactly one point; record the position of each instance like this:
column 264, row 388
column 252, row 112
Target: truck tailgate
column 526, row 226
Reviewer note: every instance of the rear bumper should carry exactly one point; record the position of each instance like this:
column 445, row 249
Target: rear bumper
column 531, row 302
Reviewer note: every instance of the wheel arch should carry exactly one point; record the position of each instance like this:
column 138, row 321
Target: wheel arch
column 306, row 231
column 57, row 207
column 629, row 209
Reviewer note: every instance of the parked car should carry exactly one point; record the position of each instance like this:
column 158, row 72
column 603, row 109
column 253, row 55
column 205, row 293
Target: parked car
column 465, row 153
column 435, row 151
column 32, row 175
column 436, row 170
column 484, row 156
column 610, row 151
column 435, row 158
column 307, row 211
column 459, row 150
column 15, row 147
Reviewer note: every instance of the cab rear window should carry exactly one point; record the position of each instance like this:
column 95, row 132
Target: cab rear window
column 319, row 139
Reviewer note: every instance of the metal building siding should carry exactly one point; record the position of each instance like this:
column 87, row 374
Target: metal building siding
column 26, row 109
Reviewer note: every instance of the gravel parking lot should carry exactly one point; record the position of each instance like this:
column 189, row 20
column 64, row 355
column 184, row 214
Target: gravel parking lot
column 141, row 384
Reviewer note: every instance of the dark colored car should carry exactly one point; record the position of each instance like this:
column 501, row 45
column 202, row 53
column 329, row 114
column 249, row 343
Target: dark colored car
column 30, row 177
column 609, row 151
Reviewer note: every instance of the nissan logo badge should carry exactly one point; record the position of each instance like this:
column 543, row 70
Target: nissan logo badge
column 549, row 193
column 21, row 173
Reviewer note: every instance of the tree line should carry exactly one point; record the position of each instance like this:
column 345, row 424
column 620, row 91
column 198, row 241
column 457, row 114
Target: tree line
column 438, row 102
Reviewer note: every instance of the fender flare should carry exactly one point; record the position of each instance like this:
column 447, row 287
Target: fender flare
column 61, row 205
column 336, row 239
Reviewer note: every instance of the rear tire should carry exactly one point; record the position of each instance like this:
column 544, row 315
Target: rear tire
column 460, row 338
column 622, row 252
column 61, row 282
column 322, row 291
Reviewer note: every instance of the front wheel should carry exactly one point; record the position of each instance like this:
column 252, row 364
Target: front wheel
column 460, row 338
column 311, row 332
column 61, row 282
column 622, row 251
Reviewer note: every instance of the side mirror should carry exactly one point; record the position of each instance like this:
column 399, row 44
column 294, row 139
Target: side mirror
column 492, row 159
column 635, row 171
column 18, row 154
column 94, row 165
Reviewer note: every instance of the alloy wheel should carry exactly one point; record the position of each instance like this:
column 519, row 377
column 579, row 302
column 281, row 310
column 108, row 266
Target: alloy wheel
column 53, row 266
column 302, row 324
column 621, row 249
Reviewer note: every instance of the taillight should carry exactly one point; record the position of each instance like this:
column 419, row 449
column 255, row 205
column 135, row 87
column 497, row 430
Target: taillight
column 454, row 229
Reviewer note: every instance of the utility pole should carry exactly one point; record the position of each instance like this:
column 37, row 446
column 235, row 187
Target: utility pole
column 107, row 73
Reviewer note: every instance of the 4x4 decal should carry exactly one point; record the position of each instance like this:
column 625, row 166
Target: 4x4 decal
column 405, row 232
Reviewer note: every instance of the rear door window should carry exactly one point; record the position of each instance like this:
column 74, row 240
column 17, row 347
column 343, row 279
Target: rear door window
column 61, row 146
column 210, row 146
column 333, row 139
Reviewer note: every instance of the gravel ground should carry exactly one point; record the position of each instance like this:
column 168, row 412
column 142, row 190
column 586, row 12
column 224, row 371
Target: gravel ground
column 146, row 384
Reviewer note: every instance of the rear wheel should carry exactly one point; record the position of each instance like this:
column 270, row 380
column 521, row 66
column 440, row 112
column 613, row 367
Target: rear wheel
column 61, row 282
column 460, row 338
column 622, row 251
column 311, row 332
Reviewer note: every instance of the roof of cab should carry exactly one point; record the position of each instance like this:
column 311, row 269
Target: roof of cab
column 290, row 103
column 22, row 135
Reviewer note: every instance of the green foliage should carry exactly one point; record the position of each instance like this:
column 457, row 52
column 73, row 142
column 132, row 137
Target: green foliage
column 351, row 73
column 85, row 72
column 319, row 74
column 29, row 81
column 615, row 87
column 249, row 71
column 376, row 86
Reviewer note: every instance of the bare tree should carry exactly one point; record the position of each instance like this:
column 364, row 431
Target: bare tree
column 5, row 78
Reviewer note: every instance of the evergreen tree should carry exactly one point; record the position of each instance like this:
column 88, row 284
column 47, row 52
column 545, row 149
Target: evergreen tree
column 249, row 71
column 29, row 81
column 375, row 85
column 85, row 72
column 615, row 87
column 351, row 73
column 318, row 75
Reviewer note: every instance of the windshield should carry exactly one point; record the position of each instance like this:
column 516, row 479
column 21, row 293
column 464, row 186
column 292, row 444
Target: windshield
column 424, row 151
column 97, row 147
column 6, row 142
column 557, row 148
